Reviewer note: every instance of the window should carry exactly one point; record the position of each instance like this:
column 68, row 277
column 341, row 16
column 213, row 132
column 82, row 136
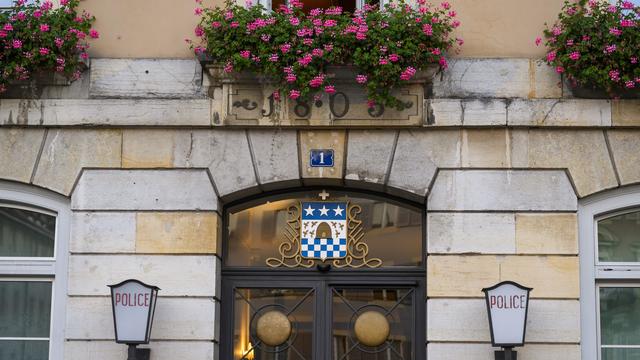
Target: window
column 33, row 232
column 347, row 5
column 610, row 275
column 393, row 232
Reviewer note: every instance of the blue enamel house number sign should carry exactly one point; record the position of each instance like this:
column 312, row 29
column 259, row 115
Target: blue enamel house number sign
column 321, row 157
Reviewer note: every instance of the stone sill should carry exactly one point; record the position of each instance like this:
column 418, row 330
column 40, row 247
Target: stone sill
column 177, row 93
column 203, row 113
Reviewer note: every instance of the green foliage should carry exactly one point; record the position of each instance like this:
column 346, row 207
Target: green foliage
column 294, row 49
column 597, row 44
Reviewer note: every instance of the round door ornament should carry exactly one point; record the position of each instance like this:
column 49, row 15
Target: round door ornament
column 371, row 328
column 273, row 328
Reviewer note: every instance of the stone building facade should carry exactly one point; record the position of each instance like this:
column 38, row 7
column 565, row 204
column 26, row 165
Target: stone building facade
column 140, row 160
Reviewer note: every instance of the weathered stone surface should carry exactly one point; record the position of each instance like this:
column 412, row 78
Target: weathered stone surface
column 161, row 350
column 145, row 78
column 114, row 112
column 484, row 78
column 548, row 321
column 467, row 351
column 546, row 82
column 546, row 234
column 455, row 233
column 274, row 152
column 227, row 155
column 461, row 276
column 419, row 154
column 465, row 276
column 175, row 275
column 536, row 272
column 19, row 150
column 310, row 140
column 484, row 112
column 153, row 148
column 91, row 318
column 144, row 190
column 559, row 112
column 177, row 232
column 444, row 112
column 501, row 190
column 108, row 232
column 625, row 112
column 583, row 152
column 67, row 151
column 368, row 157
column 485, row 148
column 625, row 146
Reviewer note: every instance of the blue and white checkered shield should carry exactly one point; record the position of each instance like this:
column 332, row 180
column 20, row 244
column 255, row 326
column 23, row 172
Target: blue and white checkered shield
column 323, row 231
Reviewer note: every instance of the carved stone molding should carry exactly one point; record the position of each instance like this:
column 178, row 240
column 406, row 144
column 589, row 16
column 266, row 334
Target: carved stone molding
column 246, row 100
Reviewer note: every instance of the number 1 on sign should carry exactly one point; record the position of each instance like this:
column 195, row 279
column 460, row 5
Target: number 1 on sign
column 321, row 157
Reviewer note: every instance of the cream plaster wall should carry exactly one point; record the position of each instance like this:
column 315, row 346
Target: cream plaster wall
column 157, row 28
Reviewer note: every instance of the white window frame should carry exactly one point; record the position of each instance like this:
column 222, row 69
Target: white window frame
column 594, row 274
column 52, row 269
column 359, row 3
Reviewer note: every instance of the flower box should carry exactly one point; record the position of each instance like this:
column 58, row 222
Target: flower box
column 594, row 45
column 597, row 92
column 42, row 45
column 325, row 64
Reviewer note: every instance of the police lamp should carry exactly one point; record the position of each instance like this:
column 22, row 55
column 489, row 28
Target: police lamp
column 507, row 307
column 134, row 304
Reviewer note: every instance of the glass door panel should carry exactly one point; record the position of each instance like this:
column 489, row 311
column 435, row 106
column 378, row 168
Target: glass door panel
column 273, row 324
column 372, row 324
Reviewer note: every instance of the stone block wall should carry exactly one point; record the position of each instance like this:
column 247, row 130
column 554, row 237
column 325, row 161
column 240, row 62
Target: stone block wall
column 499, row 164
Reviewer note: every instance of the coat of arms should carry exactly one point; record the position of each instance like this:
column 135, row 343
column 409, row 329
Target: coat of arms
column 321, row 231
column 324, row 230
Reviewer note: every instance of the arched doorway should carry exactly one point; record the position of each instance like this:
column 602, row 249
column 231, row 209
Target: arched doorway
column 323, row 274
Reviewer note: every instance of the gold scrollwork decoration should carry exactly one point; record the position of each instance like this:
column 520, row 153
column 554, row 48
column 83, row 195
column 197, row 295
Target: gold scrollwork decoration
column 357, row 250
column 290, row 248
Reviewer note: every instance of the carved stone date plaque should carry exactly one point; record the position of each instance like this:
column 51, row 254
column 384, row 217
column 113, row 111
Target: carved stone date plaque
column 247, row 100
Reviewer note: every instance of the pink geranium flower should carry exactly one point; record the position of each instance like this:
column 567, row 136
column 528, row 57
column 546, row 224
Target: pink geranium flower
column 427, row 29
column 294, row 94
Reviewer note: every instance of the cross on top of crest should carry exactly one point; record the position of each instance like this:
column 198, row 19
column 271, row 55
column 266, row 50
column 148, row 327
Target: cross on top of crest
column 324, row 195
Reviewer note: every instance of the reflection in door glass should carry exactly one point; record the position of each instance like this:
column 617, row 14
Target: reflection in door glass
column 273, row 324
column 372, row 324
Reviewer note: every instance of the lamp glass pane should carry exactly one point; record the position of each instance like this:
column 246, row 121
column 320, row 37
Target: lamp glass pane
column 25, row 309
column 619, row 238
column 133, row 302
